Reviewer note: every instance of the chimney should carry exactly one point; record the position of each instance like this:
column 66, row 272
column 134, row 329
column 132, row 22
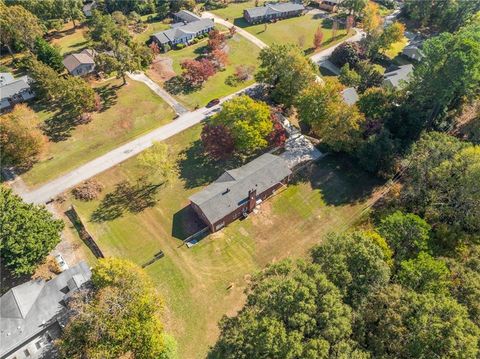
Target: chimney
column 252, row 199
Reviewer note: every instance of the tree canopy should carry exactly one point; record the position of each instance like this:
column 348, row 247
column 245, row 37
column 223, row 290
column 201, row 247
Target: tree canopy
column 354, row 262
column 336, row 123
column 20, row 138
column 120, row 318
column 292, row 311
column 247, row 120
column 286, row 70
column 27, row 234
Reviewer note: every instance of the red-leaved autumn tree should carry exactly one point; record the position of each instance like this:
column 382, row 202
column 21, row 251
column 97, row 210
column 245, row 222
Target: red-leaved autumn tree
column 217, row 141
column 219, row 58
column 278, row 136
column 196, row 72
column 318, row 38
column 216, row 40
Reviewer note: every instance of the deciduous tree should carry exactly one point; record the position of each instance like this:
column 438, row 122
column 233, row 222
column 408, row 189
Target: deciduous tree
column 248, row 122
column 120, row 318
column 354, row 262
column 159, row 160
column 27, row 234
column 318, row 38
column 292, row 311
column 407, row 234
column 337, row 124
column 196, row 72
column 286, row 70
column 217, row 141
column 346, row 53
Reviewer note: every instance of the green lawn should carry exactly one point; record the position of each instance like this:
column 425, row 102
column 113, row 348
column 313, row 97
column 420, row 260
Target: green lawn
column 70, row 39
column 297, row 30
column 152, row 28
column 207, row 281
column 129, row 112
column 240, row 52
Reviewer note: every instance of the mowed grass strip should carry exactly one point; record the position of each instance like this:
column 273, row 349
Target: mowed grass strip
column 129, row 111
column 71, row 39
column 205, row 282
column 296, row 30
column 240, row 52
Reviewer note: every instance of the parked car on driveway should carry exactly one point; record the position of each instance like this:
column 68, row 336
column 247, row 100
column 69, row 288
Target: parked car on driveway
column 61, row 263
column 213, row 102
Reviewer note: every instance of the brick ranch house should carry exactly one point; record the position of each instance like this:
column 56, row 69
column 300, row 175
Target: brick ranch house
column 238, row 191
column 271, row 12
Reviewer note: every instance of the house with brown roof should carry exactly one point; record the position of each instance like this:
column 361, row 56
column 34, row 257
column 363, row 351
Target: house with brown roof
column 237, row 192
column 80, row 64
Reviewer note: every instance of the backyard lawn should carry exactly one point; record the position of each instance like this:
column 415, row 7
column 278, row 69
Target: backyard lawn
column 297, row 30
column 71, row 39
column 152, row 28
column 240, row 52
column 207, row 281
column 129, row 111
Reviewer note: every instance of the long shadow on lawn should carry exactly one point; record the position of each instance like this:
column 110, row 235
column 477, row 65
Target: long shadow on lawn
column 108, row 94
column 126, row 197
column 196, row 169
column 339, row 179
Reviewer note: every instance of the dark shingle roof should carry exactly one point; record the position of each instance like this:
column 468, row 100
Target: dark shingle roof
column 270, row 9
column 226, row 194
column 71, row 62
column 187, row 16
column 26, row 308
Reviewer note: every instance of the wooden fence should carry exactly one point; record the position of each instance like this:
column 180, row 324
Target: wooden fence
column 86, row 237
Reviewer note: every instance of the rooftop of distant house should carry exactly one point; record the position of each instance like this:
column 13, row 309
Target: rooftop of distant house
column 396, row 75
column 187, row 16
column 177, row 32
column 350, row 95
column 231, row 189
column 270, row 9
column 29, row 308
column 72, row 61
column 10, row 85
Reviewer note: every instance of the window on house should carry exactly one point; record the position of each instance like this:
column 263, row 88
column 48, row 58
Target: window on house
column 26, row 352
column 38, row 344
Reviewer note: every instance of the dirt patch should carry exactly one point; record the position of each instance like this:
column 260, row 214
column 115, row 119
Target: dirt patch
column 162, row 69
column 264, row 215
column 126, row 123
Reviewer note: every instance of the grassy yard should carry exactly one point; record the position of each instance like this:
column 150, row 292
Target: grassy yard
column 129, row 111
column 152, row 28
column 207, row 281
column 297, row 30
column 240, row 52
column 71, row 39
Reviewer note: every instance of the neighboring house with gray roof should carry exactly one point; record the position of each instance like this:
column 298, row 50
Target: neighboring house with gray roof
column 80, row 64
column 350, row 96
column 14, row 90
column 271, row 12
column 237, row 192
column 88, row 8
column 413, row 52
column 182, row 33
column 185, row 16
column 33, row 314
column 397, row 76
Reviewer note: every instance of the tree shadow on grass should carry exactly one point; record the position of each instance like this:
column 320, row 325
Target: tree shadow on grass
column 340, row 180
column 177, row 85
column 196, row 169
column 60, row 126
column 127, row 197
column 108, row 94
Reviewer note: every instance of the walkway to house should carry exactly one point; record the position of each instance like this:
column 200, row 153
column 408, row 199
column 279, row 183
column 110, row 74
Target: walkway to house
column 177, row 106
column 240, row 31
column 298, row 148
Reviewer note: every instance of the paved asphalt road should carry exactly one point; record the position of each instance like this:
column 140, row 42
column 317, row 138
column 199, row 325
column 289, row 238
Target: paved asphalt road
column 55, row 187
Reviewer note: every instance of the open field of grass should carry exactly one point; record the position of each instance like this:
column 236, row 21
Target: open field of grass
column 207, row 281
column 297, row 30
column 71, row 39
column 240, row 52
column 129, row 111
